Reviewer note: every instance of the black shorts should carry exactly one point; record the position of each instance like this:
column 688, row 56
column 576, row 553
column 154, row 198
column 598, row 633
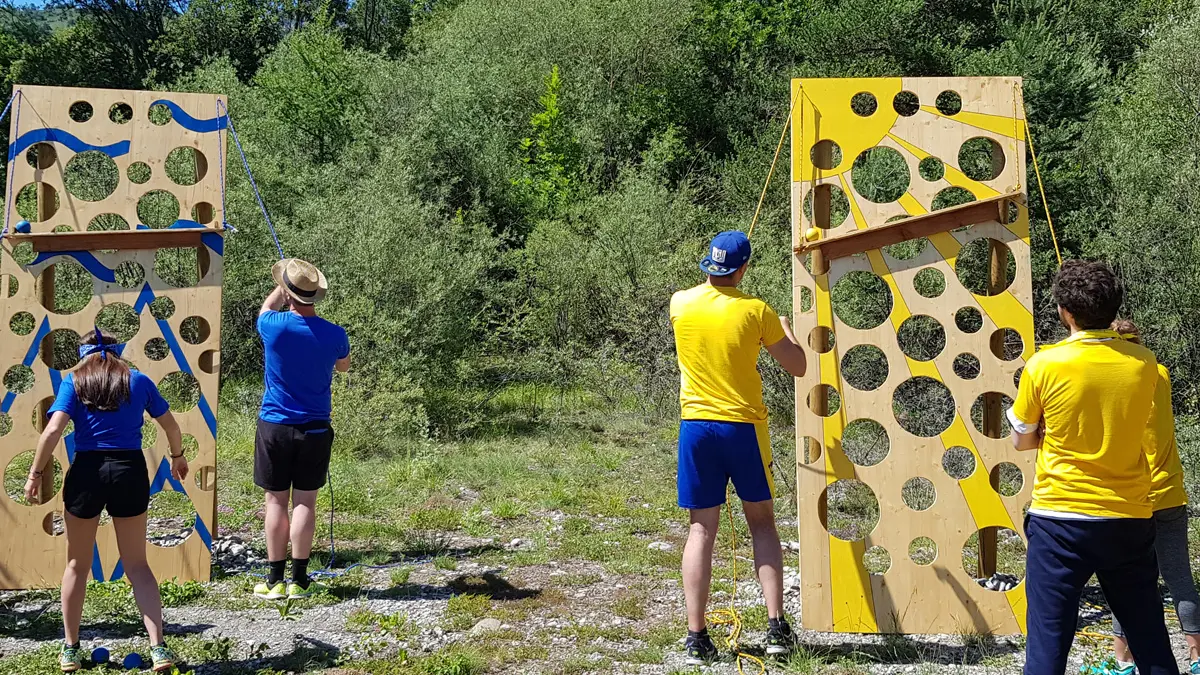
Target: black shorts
column 292, row 456
column 116, row 480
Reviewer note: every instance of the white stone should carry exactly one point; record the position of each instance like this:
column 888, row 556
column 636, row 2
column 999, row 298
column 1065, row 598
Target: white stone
column 485, row 626
column 659, row 546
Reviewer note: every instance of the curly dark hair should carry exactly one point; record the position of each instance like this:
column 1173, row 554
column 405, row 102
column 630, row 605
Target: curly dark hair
column 1090, row 292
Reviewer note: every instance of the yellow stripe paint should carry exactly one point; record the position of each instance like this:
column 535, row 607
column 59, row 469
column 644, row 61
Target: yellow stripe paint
column 1002, row 125
column 822, row 111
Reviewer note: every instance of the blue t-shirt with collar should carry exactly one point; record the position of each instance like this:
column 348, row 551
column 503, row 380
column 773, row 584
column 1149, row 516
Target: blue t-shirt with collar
column 299, row 353
column 120, row 429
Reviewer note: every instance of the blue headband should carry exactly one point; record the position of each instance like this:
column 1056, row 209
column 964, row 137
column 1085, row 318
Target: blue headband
column 103, row 350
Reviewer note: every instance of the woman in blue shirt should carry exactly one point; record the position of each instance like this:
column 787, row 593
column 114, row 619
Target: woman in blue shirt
column 107, row 401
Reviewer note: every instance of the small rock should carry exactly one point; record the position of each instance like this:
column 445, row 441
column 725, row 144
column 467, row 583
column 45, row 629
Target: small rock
column 485, row 626
column 515, row 543
column 659, row 546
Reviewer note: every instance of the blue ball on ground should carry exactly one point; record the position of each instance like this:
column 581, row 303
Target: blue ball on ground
column 100, row 655
column 133, row 661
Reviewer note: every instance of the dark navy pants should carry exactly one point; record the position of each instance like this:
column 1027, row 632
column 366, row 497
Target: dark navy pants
column 1063, row 555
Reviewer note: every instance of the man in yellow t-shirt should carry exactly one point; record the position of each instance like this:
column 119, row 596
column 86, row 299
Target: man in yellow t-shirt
column 719, row 332
column 1084, row 405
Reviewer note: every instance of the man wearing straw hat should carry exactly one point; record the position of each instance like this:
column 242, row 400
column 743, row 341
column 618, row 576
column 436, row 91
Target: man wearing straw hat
column 294, row 439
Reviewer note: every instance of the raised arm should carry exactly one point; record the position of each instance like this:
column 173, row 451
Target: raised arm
column 787, row 352
column 275, row 302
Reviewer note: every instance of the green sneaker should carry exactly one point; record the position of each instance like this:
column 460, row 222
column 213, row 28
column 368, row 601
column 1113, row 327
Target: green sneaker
column 295, row 591
column 163, row 659
column 68, row 658
column 265, row 592
column 1108, row 668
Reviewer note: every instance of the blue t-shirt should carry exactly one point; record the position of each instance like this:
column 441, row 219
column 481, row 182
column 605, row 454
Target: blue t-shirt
column 299, row 354
column 120, row 429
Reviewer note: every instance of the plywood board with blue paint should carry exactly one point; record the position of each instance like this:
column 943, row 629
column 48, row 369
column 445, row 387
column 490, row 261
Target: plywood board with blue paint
column 94, row 159
column 913, row 348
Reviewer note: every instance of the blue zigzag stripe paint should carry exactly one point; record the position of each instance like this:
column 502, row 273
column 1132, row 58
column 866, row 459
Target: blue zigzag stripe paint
column 190, row 123
column 143, row 301
column 88, row 260
column 97, row 567
column 162, row 478
column 212, row 240
column 118, row 571
column 30, row 355
column 63, row 138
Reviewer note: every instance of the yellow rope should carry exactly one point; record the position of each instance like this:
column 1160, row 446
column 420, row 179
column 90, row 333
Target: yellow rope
column 778, row 148
column 1042, row 189
column 731, row 617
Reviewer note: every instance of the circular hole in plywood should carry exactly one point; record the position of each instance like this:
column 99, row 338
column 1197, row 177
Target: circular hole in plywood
column 170, row 519
column 1007, row 479
column 906, row 103
column 80, row 111
column 966, row 366
column 880, row 175
column 825, row 154
column 922, row 551
column 921, row 337
column 41, row 156
column 178, row 267
column 806, row 302
column 53, row 524
column 821, row 339
column 18, row 379
column 861, row 300
column 1007, row 344
column 138, row 172
column 974, row 267
column 194, row 330
column 923, row 406
column 149, row 433
column 158, row 209
column 981, row 158
column 931, row 169
column 120, row 320
column 833, row 400
column 948, row 102
column 23, row 253
column 202, row 212
column 91, row 176
column 851, row 509
column 17, row 472
column 21, row 323
column 865, row 367
column 918, row 493
column 1001, row 403
column 162, row 308
column 157, row 349
column 185, row 165
column 206, row 478
column 809, row 450
column 191, row 448
column 877, row 560
column 129, row 274
column 5, row 424
column 951, row 196
column 865, row 442
column 159, row 114
column 60, row 349
column 120, row 113
column 958, row 462
column 839, row 205
column 929, row 282
column 864, row 104
column 1010, row 560
column 13, row 285
column 181, row 390
column 72, row 286
column 27, row 203
column 968, row 319
column 906, row 250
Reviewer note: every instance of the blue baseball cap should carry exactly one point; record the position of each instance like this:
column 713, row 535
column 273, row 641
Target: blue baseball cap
column 727, row 252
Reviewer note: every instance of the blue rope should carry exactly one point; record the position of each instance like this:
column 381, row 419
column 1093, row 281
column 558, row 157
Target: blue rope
column 253, row 184
column 10, row 198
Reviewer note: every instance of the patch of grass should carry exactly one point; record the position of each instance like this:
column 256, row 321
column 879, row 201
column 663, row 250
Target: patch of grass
column 175, row 594
column 509, row 510
column 397, row 625
column 453, row 661
column 576, row 665
column 110, row 601
column 462, row 611
column 445, row 562
column 400, row 576
column 629, row 606
column 42, row 661
column 436, row 519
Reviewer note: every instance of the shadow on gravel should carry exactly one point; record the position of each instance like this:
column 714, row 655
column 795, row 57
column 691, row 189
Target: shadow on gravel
column 491, row 585
column 903, row 649
column 307, row 655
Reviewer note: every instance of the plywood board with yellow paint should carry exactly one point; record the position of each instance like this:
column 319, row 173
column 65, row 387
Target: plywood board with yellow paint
column 915, row 349
column 99, row 160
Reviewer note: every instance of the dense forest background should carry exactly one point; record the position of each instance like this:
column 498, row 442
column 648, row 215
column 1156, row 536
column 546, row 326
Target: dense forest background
column 504, row 195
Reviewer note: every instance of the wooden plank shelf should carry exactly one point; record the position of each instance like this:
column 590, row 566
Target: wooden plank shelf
column 123, row 240
column 914, row 227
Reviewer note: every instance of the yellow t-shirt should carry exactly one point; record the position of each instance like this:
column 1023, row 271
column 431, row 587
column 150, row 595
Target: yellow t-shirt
column 1094, row 391
column 718, row 333
column 1166, row 471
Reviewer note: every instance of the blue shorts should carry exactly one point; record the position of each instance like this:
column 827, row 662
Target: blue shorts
column 713, row 453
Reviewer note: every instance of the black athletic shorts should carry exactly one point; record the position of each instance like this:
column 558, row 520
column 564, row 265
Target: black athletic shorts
column 116, row 480
column 292, row 456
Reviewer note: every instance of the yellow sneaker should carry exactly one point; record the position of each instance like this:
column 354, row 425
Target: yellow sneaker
column 265, row 592
column 295, row 591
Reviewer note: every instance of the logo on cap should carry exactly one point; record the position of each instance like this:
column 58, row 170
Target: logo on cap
column 718, row 255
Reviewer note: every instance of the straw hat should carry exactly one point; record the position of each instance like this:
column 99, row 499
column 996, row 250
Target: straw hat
column 301, row 280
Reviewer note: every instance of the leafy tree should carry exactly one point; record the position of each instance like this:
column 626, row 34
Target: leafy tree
column 550, row 156
column 244, row 30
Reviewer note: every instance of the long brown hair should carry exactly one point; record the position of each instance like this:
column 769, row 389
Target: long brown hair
column 1126, row 327
column 102, row 384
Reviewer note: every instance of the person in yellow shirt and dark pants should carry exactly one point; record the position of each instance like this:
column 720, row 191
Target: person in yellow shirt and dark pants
column 1084, row 405
column 719, row 332
column 1169, row 500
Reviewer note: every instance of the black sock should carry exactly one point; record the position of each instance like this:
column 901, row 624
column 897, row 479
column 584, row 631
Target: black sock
column 780, row 623
column 72, row 646
column 300, row 572
column 702, row 633
column 275, row 576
